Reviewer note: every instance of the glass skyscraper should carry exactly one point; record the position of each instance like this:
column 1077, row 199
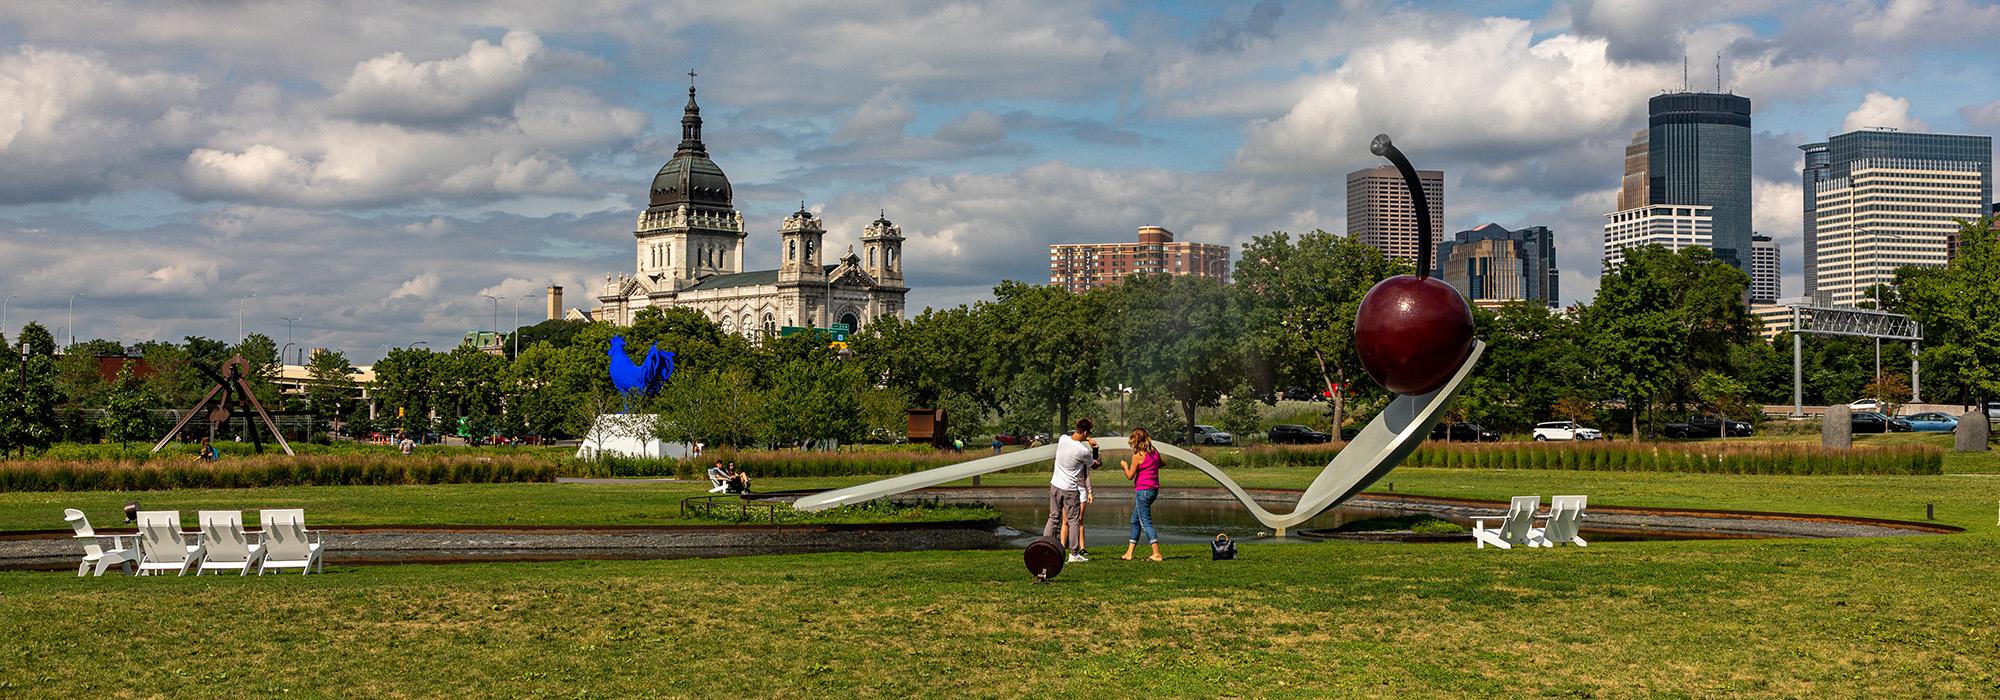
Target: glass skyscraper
column 1699, row 154
column 1837, row 157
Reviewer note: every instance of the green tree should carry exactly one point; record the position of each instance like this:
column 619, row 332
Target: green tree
column 1240, row 416
column 407, row 390
column 1178, row 336
column 1959, row 308
column 262, row 354
column 1299, row 303
column 885, row 413
column 1726, row 396
column 331, row 390
column 1659, row 319
column 1052, row 343
column 33, row 416
column 128, row 409
column 812, row 401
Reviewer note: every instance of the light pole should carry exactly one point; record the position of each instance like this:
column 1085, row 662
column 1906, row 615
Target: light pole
column 517, row 322
column 1875, row 283
column 240, row 336
column 496, row 311
column 415, row 344
column 3, row 311
column 72, row 319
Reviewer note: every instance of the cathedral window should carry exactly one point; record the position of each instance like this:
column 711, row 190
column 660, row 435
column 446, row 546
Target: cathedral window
column 791, row 250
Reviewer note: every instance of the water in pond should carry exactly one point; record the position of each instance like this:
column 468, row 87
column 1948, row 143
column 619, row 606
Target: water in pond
column 1107, row 522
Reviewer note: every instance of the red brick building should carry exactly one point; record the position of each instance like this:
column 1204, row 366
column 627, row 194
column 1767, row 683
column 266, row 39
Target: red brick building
column 1081, row 267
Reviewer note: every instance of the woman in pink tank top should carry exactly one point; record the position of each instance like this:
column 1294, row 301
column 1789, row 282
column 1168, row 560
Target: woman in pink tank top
column 1144, row 471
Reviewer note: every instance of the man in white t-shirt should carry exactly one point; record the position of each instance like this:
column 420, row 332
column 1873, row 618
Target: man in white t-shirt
column 1074, row 457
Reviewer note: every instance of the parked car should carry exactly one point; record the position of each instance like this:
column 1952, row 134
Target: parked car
column 1297, row 435
column 1210, row 435
column 1993, row 410
column 1347, row 434
column 1565, row 430
column 1011, row 439
column 1299, row 394
column 1867, row 406
column 1463, row 432
column 1706, row 427
column 1933, row 422
column 1878, row 423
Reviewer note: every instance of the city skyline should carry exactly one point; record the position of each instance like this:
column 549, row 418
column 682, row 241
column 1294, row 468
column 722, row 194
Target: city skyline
column 376, row 182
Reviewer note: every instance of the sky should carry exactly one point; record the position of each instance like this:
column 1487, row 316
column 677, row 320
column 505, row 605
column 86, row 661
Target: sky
column 372, row 169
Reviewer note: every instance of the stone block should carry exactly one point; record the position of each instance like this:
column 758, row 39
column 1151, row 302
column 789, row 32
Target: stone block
column 1972, row 432
column 1836, row 428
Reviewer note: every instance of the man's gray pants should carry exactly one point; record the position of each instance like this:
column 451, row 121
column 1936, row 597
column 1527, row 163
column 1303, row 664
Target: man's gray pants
column 1065, row 509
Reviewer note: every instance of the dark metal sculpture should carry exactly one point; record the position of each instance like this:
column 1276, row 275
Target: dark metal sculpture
column 232, row 384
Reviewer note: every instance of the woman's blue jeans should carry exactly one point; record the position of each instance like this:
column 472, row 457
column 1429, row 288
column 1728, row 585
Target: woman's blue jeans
column 1142, row 516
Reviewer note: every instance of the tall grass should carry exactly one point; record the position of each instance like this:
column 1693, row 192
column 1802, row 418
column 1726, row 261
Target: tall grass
column 270, row 470
column 1699, row 458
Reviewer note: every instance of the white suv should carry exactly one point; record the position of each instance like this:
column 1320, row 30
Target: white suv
column 1565, row 430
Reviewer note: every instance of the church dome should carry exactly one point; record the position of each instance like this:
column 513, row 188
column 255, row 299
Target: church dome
column 691, row 178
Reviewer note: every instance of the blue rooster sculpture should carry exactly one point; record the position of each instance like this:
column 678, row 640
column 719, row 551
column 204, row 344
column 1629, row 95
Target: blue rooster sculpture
column 645, row 377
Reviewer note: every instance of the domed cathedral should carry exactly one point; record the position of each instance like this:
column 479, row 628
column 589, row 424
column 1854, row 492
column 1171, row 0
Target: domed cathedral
column 690, row 254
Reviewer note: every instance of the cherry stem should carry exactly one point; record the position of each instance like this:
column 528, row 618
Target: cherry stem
column 1381, row 146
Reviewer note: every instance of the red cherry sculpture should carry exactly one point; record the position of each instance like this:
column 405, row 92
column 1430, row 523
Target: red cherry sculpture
column 1412, row 332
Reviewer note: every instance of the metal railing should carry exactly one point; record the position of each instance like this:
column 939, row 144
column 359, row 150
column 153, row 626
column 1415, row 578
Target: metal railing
column 705, row 506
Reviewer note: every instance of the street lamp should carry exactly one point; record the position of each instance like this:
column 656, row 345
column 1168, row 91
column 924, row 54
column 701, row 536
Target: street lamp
column 496, row 311
column 517, row 322
column 240, row 336
column 1875, row 283
column 3, row 311
column 72, row 319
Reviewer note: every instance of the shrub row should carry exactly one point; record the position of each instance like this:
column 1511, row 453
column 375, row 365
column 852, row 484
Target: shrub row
column 249, row 472
column 774, row 463
column 1705, row 458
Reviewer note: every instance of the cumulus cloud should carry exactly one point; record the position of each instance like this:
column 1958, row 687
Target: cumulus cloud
column 1983, row 116
column 1488, row 94
column 482, row 82
column 73, row 125
column 1635, row 30
column 1881, row 110
column 1234, row 35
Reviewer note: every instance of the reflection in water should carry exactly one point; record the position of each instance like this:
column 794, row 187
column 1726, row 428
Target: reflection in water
column 1107, row 522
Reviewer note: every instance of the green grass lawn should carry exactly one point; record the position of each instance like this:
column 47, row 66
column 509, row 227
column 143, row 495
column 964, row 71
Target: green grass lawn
column 1899, row 617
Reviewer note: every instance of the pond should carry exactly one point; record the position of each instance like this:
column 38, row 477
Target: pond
column 1107, row 522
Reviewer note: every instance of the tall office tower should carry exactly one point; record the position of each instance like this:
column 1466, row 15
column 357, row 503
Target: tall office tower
column 1632, row 189
column 1667, row 225
column 1763, row 269
column 1699, row 154
column 1380, row 213
column 1491, row 265
column 1081, row 267
column 1838, row 157
column 1889, row 213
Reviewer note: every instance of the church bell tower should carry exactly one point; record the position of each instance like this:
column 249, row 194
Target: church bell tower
column 882, row 252
column 802, row 235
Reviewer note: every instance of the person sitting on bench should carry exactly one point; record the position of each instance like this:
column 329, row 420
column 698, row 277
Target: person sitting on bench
column 718, row 478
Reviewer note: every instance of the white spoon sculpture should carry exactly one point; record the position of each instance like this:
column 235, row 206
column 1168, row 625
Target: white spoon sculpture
column 1378, row 448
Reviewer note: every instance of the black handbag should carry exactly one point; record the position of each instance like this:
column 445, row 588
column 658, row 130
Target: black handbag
column 1222, row 548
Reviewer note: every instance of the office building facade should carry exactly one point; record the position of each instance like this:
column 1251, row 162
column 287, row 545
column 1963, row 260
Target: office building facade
column 1634, row 189
column 1667, row 225
column 1698, row 153
column 1081, row 267
column 1380, row 213
column 1491, row 265
column 1886, row 214
column 1837, row 157
column 1763, row 269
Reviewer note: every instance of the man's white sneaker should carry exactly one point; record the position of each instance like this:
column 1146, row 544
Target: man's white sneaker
column 1074, row 558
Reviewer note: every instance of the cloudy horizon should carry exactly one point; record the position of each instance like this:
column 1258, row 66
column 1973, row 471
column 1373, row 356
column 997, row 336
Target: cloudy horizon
column 374, row 169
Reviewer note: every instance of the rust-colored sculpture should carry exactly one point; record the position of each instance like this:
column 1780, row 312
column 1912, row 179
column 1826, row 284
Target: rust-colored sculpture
column 232, row 383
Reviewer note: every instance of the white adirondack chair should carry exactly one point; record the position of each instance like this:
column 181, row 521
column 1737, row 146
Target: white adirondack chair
column 225, row 546
column 717, row 484
column 162, row 546
column 287, row 542
column 1514, row 529
column 94, row 553
column 1565, row 518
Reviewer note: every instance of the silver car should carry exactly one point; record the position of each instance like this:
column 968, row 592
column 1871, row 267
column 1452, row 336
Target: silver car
column 1210, row 435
